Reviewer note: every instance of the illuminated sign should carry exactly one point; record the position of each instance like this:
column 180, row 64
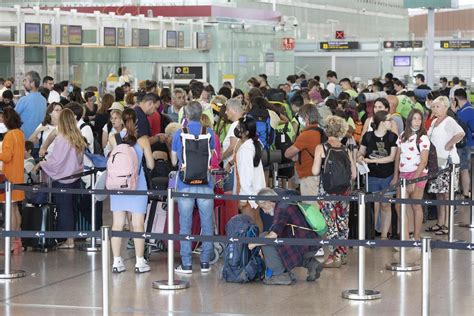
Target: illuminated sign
column 338, row 45
column 402, row 44
column 457, row 44
column 32, row 33
column 110, row 36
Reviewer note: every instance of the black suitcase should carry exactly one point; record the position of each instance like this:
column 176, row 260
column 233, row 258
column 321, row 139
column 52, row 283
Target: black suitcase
column 354, row 216
column 39, row 218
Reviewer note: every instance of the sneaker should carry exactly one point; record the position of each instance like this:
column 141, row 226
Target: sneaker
column 281, row 279
column 118, row 266
column 205, row 267
column 184, row 269
column 130, row 244
column 314, row 269
column 141, row 266
column 320, row 252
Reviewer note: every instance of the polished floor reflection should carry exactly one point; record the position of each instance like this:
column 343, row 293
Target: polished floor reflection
column 68, row 282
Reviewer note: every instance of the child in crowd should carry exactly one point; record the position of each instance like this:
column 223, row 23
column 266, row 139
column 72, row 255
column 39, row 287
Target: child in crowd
column 29, row 162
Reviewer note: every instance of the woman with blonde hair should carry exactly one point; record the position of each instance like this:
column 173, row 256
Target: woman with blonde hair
column 65, row 160
column 444, row 134
column 336, row 213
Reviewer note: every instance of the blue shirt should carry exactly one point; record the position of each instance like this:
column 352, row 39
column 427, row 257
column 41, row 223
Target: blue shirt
column 466, row 115
column 194, row 128
column 32, row 109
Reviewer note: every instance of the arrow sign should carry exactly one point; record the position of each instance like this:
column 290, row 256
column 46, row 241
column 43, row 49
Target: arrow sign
column 233, row 239
column 278, row 241
column 81, row 234
column 324, row 242
column 189, row 238
column 370, row 243
column 38, row 234
column 218, row 197
column 284, row 198
column 416, row 244
column 470, row 247
column 391, row 200
column 146, row 235
column 428, row 202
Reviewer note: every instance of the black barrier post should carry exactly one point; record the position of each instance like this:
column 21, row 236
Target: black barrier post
column 470, row 224
column 426, row 273
column 105, row 270
column 361, row 293
column 403, row 266
column 171, row 283
column 452, row 180
column 7, row 273
column 93, row 247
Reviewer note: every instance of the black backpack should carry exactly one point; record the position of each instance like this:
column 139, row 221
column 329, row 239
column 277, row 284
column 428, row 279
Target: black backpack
column 98, row 150
column 241, row 265
column 282, row 143
column 196, row 157
column 336, row 175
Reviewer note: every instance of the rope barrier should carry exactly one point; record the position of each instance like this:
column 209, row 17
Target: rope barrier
column 245, row 240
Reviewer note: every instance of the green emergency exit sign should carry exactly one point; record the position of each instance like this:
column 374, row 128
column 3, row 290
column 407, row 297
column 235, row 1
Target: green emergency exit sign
column 435, row 4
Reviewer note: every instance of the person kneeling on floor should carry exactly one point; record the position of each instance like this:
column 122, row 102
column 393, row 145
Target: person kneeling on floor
column 288, row 222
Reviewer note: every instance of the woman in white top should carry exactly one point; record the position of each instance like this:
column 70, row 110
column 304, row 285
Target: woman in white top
column 410, row 163
column 234, row 112
column 381, row 104
column 444, row 133
column 115, row 127
column 48, row 125
column 250, row 178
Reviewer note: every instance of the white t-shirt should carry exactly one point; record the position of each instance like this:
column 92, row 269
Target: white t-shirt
column 108, row 147
column 441, row 135
column 410, row 157
column 44, row 135
column 53, row 97
column 226, row 142
column 331, row 88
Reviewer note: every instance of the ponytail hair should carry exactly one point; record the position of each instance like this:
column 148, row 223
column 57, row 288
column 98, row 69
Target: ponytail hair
column 129, row 118
column 249, row 125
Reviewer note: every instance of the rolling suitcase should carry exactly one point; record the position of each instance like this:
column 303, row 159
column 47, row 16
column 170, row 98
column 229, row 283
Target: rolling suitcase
column 354, row 215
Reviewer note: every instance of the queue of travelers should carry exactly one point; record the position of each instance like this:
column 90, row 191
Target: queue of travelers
column 331, row 134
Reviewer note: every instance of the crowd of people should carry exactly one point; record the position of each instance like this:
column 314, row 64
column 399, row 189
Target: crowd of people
column 332, row 131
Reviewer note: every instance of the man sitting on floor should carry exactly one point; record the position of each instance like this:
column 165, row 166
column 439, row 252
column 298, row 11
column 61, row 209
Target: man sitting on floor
column 288, row 222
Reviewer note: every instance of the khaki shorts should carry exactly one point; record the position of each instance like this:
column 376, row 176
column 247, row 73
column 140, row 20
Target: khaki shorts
column 309, row 186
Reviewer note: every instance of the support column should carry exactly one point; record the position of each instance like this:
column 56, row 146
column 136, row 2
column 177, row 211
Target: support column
column 18, row 62
column 430, row 48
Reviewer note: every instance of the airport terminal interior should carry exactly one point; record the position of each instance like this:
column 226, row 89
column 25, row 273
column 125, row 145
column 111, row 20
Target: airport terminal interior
column 232, row 110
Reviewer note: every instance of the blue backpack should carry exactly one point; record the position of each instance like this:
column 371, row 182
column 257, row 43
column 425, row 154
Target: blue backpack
column 241, row 265
column 265, row 131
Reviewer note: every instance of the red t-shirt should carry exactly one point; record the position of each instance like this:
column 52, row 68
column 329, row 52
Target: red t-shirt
column 155, row 123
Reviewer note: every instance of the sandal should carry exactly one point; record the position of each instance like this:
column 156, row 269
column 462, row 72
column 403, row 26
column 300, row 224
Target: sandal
column 443, row 231
column 434, row 228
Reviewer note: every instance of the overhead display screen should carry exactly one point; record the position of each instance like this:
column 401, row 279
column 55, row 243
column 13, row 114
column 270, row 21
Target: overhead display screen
column 32, row 33
column 140, row 37
column 171, row 39
column 110, row 36
column 46, row 36
column 401, row 61
column 75, row 35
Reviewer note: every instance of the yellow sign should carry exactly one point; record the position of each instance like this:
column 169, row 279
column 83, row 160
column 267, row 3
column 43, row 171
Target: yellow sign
column 325, row 46
column 185, row 70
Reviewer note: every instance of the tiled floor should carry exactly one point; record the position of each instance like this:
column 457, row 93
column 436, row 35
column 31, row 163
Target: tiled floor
column 68, row 282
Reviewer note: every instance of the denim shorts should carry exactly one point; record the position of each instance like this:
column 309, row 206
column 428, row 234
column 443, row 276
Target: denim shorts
column 465, row 157
column 379, row 184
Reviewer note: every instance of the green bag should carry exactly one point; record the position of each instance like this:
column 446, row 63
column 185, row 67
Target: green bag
column 314, row 218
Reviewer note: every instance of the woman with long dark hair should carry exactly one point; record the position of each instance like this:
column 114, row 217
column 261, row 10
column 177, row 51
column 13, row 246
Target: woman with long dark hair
column 49, row 125
column 410, row 163
column 120, row 205
column 250, row 178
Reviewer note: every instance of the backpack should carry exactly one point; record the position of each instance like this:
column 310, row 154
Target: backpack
column 463, row 142
column 336, row 175
column 265, row 131
column 196, row 156
column 282, row 143
column 122, row 167
column 313, row 217
column 98, row 150
column 432, row 164
column 241, row 265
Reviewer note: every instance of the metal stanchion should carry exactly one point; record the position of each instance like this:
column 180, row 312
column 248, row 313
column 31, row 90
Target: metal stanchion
column 403, row 266
column 105, row 270
column 471, row 209
column 426, row 273
column 361, row 293
column 93, row 246
column 7, row 272
column 452, row 179
column 171, row 283
column 275, row 174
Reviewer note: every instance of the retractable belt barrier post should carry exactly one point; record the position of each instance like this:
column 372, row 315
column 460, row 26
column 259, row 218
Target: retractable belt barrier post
column 403, row 266
column 105, row 270
column 361, row 293
column 7, row 272
column 426, row 274
column 452, row 179
column 470, row 224
column 171, row 283
column 93, row 247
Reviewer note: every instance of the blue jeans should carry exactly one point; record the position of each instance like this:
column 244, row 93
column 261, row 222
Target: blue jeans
column 206, row 209
column 465, row 158
column 379, row 184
